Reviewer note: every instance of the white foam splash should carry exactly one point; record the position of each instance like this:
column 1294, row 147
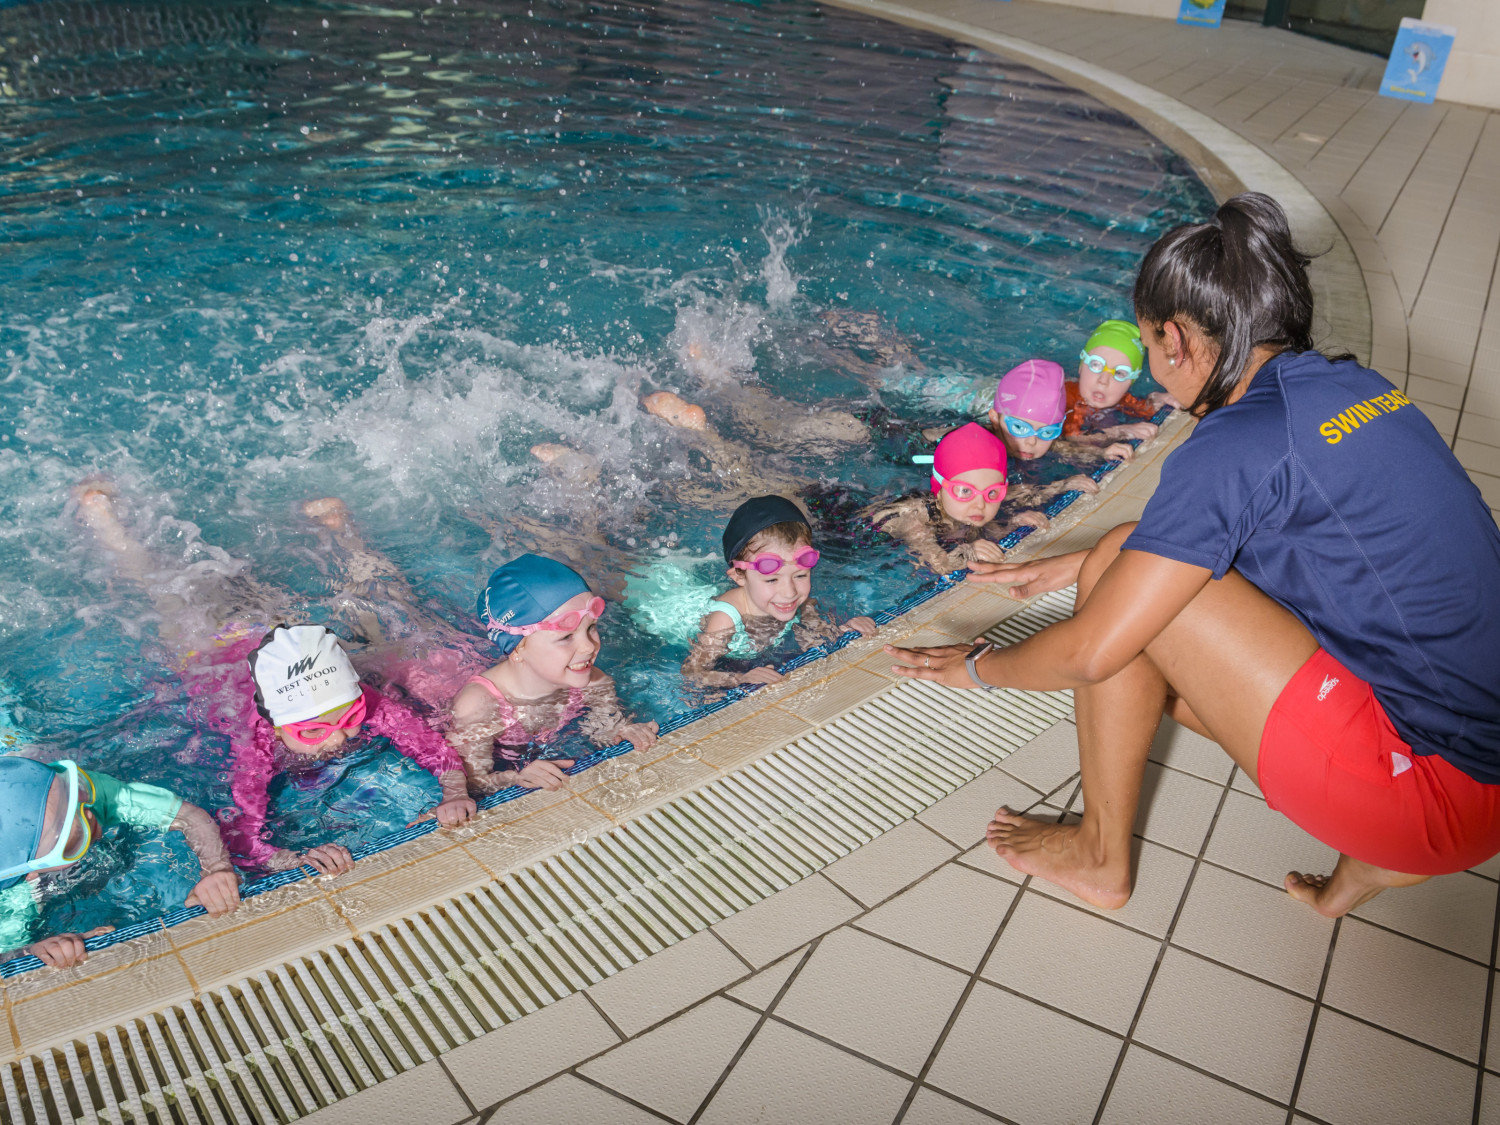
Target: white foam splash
column 781, row 232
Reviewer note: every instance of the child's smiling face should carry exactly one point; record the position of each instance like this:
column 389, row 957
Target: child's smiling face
column 977, row 511
column 565, row 660
column 1103, row 390
column 779, row 595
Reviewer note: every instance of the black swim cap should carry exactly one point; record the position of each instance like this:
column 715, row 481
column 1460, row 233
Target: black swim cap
column 754, row 516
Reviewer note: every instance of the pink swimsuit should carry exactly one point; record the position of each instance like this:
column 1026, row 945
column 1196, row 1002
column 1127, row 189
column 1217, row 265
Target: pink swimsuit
column 511, row 743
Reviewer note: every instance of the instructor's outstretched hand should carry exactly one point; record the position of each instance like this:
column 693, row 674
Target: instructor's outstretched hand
column 943, row 665
column 1028, row 579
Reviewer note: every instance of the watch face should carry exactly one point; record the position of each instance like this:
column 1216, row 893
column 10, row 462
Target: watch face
column 980, row 649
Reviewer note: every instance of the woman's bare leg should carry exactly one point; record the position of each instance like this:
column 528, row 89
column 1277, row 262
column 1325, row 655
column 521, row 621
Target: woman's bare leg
column 1220, row 666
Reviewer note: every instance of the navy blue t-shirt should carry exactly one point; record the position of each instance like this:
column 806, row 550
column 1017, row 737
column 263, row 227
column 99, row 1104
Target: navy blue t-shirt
column 1332, row 493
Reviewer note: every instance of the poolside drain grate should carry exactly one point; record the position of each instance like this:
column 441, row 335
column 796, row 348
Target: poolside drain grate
column 297, row 1037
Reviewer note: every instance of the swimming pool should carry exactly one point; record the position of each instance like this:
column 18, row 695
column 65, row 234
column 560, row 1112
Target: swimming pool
column 259, row 254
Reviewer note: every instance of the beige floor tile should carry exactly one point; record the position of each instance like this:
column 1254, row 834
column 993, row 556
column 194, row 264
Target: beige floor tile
column 531, row 1049
column 1456, row 912
column 760, row 990
column 673, row 1067
column 570, row 1101
column 51, row 1017
column 1492, row 1054
column 931, row 1108
column 1409, row 988
column 1256, row 928
column 667, row 982
column 874, row 998
column 889, row 862
column 1489, row 1103
column 1230, row 1025
column 1360, row 1075
column 1160, row 876
column 1151, row 1090
column 395, row 894
column 1075, row 961
column 1190, row 752
column 627, row 789
column 547, row 831
column 788, row 1078
column 951, row 915
column 764, row 932
column 127, row 957
column 1490, row 868
column 423, row 1094
column 1176, row 808
column 1048, row 760
column 1054, row 1072
column 1254, row 840
column 962, row 815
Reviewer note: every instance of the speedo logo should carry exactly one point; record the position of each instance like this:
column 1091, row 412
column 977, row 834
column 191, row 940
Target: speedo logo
column 303, row 665
column 1329, row 683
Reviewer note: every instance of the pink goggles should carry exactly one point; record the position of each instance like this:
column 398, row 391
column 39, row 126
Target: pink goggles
column 768, row 563
column 310, row 732
column 564, row 624
column 963, row 491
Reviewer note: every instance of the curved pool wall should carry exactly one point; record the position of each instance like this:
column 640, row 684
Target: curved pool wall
column 267, row 253
column 38, row 1072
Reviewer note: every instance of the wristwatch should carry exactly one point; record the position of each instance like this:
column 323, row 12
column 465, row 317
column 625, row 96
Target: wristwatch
column 971, row 662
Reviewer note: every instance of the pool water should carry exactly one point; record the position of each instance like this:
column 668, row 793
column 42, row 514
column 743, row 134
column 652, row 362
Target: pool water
column 259, row 253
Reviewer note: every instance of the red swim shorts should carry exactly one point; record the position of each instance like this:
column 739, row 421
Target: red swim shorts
column 1332, row 763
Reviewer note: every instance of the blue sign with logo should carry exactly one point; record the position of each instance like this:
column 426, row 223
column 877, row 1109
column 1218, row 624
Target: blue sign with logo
column 1416, row 64
column 1201, row 13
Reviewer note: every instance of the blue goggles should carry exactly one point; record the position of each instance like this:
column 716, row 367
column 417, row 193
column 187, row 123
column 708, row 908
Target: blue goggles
column 1019, row 427
column 75, row 835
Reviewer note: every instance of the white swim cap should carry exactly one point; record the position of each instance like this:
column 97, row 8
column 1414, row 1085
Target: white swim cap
column 300, row 671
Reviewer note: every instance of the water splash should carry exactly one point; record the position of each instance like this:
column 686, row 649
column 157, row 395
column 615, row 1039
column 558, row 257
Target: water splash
column 781, row 232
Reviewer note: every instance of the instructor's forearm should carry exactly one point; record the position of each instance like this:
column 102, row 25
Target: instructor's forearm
column 1052, row 660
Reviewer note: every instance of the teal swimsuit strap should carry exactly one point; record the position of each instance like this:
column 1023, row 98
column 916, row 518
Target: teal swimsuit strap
column 730, row 612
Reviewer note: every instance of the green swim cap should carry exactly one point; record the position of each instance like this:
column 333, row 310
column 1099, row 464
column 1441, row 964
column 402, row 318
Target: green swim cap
column 1121, row 335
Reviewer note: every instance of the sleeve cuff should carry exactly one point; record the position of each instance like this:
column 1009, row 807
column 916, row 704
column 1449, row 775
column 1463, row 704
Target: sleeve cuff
column 1176, row 552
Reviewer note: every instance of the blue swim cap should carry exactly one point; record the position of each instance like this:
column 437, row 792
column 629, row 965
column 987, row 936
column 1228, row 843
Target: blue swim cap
column 754, row 516
column 24, row 785
column 524, row 591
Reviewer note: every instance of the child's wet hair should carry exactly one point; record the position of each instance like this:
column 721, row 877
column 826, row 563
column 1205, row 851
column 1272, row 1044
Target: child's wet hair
column 792, row 533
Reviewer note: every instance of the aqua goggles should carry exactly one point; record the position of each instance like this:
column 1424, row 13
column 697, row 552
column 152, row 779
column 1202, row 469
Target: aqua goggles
column 1019, row 427
column 59, row 855
column 1123, row 373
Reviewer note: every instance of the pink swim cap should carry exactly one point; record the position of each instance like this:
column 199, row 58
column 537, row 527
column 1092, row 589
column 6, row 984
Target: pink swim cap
column 1033, row 390
column 971, row 446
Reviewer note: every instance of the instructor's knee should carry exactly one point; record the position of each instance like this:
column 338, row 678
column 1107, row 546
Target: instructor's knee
column 1104, row 553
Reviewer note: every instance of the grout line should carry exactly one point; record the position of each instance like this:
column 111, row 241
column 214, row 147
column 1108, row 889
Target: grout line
column 473, row 1111
column 1379, row 229
column 1474, row 361
column 587, row 995
column 736, row 953
column 1312, row 1024
column 612, row 1092
column 963, row 998
column 1484, row 1030
column 988, row 1113
column 1161, row 952
column 713, row 1092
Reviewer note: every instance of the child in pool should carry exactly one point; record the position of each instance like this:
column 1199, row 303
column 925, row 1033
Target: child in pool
column 50, row 814
column 545, row 621
column 216, row 621
column 1111, row 360
column 769, row 554
column 955, row 525
column 1029, row 410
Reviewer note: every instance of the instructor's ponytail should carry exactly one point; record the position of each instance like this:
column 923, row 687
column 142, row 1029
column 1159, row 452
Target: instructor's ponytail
column 1238, row 277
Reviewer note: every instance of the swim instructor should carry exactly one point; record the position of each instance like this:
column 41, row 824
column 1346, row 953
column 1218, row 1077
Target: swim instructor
column 1315, row 586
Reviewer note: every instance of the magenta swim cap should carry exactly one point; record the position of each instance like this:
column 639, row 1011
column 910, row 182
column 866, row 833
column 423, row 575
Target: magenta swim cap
column 971, row 446
column 1033, row 390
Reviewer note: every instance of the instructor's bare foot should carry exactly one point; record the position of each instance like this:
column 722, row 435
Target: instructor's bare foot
column 328, row 511
column 1352, row 884
column 1059, row 854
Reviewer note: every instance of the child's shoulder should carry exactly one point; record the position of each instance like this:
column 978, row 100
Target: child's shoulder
column 478, row 696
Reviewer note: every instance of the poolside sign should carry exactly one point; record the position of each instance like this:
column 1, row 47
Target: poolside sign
column 1201, row 13
column 1416, row 64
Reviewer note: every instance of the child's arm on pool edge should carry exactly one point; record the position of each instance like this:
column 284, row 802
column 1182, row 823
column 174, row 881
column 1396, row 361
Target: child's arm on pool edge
column 409, row 734
column 605, row 722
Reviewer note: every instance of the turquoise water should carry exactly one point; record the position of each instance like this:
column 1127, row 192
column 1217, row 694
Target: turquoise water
column 259, row 253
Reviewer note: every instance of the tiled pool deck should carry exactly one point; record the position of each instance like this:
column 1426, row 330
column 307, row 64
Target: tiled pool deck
column 918, row 979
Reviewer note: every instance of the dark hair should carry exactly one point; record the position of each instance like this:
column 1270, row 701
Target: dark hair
column 790, row 534
column 1238, row 277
